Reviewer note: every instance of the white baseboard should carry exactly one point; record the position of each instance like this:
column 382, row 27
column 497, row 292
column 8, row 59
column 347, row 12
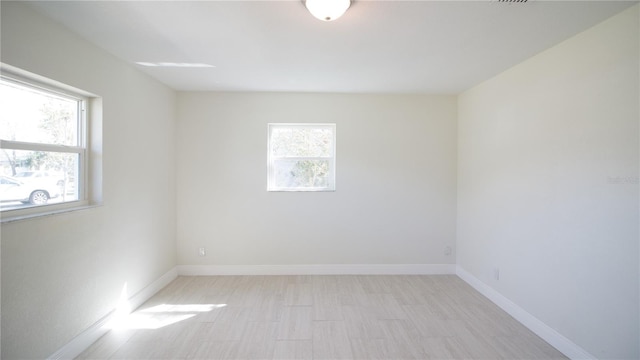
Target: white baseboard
column 145, row 294
column 81, row 342
column 548, row 334
column 341, row 269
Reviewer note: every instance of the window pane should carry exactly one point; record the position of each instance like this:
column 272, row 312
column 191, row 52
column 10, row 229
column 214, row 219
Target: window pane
column 301, row 173
column 31, row 115
column 37, row 178
column 301, row 142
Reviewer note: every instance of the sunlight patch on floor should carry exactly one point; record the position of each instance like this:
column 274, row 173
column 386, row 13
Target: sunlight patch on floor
column 159, row 316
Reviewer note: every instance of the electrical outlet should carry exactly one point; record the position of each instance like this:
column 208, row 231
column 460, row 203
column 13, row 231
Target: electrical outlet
column 202, row 252
column 447, row 250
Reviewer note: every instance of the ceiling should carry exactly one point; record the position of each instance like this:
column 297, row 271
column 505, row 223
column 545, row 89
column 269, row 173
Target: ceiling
column 392, row 46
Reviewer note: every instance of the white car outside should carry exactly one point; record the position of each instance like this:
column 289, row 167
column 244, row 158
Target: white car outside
column 31, row 188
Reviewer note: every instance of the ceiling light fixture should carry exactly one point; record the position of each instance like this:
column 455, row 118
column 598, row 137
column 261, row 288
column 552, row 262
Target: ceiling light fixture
column 327, row 10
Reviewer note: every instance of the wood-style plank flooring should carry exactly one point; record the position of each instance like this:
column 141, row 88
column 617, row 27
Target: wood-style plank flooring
column 319, row 317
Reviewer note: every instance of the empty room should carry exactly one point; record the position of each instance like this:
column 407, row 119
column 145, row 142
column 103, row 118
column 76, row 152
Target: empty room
column 320, row 179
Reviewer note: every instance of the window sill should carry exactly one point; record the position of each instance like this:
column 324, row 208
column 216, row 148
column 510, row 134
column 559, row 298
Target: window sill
column 17, row 215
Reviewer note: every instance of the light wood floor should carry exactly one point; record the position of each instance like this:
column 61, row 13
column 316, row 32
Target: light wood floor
column 320, row 317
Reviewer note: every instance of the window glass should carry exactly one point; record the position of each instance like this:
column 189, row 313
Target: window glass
column 299, row 142
column 301, row 157
column 291, row 173
column 42, row 152
column 32, row 115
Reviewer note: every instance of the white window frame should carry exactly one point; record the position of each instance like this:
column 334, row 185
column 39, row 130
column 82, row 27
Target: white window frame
column 81, row 149
column 271, row 158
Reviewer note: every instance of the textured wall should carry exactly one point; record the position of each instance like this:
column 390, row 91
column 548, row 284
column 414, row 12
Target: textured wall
column 62, row 273
column 396, row 175
column 548, row 186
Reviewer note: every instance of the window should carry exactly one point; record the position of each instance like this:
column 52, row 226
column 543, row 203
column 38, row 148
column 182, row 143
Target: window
column 301, row 157
column 43, row 145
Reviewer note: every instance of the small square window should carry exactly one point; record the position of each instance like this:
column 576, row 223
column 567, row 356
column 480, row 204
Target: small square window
column 301, row 157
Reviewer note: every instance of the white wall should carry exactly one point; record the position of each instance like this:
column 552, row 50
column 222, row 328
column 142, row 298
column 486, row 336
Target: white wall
column 60, row 274
column 396, row 176
column 548, row 186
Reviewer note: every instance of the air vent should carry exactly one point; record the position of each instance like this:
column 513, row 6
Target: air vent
column 512, row 1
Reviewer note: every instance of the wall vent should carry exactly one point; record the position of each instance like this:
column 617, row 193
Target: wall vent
column 512, row 1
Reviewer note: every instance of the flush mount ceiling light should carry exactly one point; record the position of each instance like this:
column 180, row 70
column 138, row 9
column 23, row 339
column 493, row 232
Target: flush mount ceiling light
column 327, row 10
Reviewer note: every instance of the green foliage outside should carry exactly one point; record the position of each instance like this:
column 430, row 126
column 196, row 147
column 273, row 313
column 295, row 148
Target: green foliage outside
column 294, row 148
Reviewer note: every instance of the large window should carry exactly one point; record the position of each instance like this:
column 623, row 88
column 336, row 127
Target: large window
column 43, row 144
column 302, row 157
